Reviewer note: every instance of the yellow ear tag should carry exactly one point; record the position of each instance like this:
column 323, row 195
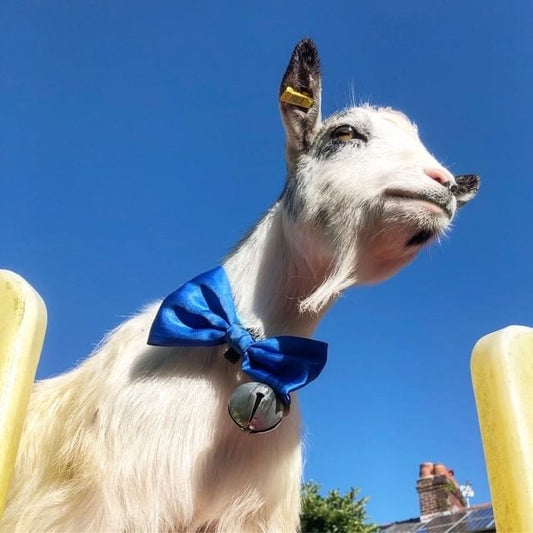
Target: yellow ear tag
column 290, row 96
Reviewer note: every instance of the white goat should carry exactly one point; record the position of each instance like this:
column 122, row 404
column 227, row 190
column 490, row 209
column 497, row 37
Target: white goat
column 138, row 438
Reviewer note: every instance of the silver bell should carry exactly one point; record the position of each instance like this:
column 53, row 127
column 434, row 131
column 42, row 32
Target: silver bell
column 255, row 407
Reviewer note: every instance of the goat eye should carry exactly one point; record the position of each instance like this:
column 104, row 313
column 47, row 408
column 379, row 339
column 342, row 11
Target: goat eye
column 347, row 133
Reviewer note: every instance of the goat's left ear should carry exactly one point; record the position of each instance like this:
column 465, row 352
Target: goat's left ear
column 300, row 98
column 467, row 188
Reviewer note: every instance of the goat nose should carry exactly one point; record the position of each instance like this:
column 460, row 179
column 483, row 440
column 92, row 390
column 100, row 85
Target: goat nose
column 440, row 177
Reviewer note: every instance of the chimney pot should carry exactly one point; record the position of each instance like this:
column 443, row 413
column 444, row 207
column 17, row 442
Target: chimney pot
column 426, row 470
column 440, row 470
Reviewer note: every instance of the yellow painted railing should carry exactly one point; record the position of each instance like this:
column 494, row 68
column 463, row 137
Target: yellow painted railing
column 22, row 329
column 502, row 373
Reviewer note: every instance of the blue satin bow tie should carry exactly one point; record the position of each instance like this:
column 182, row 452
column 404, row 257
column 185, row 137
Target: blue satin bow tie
column 202, row 313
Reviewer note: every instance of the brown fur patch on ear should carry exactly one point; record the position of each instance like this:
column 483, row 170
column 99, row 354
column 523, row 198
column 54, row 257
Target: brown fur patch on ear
column 303, row 71
column 301, row 78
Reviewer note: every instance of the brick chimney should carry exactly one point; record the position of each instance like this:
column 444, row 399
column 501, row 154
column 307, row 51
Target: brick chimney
column 438, row 491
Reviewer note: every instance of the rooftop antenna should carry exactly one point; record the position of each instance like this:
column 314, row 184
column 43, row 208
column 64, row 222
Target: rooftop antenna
column 467, row 491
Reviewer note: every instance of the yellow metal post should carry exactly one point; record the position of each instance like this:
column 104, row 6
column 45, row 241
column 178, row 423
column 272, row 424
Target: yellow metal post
column 502, row 373
column 22, row 329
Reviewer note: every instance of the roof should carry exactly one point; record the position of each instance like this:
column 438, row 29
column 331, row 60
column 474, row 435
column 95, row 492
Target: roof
column 478, row 519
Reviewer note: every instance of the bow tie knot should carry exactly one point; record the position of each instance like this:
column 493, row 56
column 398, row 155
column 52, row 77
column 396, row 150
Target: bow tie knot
column 239, row 338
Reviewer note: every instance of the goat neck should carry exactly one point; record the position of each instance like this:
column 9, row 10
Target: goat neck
column 273, row 271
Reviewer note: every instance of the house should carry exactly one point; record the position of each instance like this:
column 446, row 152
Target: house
column 443, row 508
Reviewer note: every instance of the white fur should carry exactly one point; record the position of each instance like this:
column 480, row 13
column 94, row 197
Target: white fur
column 138, row 438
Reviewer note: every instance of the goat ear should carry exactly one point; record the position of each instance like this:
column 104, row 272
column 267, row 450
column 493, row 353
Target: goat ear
column 300, row 98
column 467, row 188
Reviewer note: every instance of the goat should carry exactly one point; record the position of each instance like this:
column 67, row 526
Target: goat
column 137, row 437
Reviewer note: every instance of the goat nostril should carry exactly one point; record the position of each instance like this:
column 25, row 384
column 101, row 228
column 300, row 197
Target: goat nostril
column 438, row 175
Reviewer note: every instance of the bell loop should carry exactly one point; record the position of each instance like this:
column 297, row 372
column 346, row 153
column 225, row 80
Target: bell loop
column 232, row 355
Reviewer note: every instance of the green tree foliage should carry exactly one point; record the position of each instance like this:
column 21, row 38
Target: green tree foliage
column 333, row 513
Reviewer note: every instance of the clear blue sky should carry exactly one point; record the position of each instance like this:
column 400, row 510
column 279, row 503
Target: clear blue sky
column 140, row 140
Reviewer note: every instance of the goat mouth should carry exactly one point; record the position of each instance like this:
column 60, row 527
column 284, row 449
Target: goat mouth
column 420, row 238
column 398, row 194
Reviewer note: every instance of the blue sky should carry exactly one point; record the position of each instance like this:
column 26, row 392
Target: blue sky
column 140, row 140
